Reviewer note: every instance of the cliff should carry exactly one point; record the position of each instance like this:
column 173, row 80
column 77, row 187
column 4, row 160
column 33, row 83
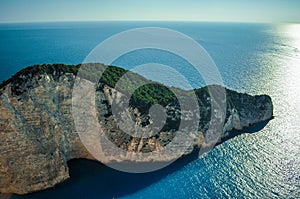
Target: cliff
column 38, row 134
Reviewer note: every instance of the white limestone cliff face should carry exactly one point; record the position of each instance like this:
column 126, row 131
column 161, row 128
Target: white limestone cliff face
column 38, row 136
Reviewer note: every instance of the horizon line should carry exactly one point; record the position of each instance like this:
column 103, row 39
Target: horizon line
column 204, row 21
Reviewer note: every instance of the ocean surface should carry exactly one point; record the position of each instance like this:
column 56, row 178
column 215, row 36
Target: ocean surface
column 251, row 58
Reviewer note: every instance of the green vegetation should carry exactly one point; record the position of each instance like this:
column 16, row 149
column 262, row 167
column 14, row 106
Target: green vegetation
column 145, row 93
column 128, row 82
column 112, row 74
column 40, row 69
column 19, row 79
column 143, row 97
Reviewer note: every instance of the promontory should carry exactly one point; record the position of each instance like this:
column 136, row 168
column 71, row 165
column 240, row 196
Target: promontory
column 38, row 132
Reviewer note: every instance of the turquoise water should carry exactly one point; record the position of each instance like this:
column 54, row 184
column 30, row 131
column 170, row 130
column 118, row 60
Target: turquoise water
column 252, row 58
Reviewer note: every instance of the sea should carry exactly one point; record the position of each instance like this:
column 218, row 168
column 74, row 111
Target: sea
column 252, row 58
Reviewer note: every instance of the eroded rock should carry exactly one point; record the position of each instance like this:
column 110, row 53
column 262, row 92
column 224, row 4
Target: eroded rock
column 38, row 134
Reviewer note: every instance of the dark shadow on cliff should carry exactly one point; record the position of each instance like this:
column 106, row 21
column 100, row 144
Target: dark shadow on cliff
column 93, row 180
column 252, row 129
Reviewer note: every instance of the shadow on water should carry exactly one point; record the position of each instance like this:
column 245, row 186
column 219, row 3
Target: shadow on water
column 93, row 180
column 5, row 196
column 252, row 129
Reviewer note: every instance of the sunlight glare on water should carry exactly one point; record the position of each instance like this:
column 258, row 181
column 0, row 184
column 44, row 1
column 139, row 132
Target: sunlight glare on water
column 265, row 164
column 252, row 58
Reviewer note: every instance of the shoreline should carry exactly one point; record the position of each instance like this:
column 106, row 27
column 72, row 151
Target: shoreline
column 81, row 169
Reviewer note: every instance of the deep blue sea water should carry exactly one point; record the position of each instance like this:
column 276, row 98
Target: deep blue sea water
column 252, row 58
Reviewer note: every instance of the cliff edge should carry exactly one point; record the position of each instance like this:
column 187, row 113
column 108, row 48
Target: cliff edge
column 38, row 134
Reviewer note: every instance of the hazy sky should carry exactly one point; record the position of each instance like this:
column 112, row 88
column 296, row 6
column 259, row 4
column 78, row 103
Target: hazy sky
column 168, row 10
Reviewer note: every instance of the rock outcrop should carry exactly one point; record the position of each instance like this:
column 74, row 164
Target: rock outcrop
column 38, row 134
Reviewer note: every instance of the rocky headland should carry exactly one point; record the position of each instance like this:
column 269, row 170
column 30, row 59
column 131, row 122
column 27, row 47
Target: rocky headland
column 38, row 133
